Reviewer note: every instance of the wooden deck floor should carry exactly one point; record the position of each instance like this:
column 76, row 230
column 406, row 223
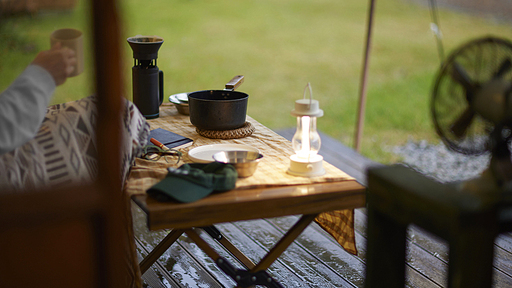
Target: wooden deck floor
column 315, row 259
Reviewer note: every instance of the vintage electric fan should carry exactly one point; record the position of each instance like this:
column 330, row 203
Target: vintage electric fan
column 472, row 104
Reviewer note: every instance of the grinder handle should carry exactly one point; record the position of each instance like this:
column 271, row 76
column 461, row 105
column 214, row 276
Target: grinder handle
column 161, row 86
column 235, row 82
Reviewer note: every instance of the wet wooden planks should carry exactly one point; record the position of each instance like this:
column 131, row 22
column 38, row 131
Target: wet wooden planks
column 314, row 259
column 297, row 267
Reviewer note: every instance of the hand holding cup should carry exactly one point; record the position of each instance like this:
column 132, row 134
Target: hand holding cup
column 59, row 61
column 73, row 40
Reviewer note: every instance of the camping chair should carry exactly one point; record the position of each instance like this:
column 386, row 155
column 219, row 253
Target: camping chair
column 398, row 196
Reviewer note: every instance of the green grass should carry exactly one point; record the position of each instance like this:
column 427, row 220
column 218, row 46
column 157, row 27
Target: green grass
column 280, row 46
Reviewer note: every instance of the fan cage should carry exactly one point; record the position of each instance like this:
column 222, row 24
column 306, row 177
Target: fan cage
column 480, row 59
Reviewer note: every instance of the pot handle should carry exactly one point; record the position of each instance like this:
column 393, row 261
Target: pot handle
column 235, row 82
column 161, row 86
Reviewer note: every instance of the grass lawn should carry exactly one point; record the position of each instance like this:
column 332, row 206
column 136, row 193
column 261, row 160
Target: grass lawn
column 279, row 46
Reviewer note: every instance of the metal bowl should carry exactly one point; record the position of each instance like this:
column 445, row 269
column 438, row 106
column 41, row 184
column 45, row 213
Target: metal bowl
column 245, row 162
column 181, row 102
column 182, row 109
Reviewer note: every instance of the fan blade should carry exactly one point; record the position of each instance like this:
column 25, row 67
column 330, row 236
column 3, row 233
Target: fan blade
column 461, row 125
column 459, row 75
column 504, row 68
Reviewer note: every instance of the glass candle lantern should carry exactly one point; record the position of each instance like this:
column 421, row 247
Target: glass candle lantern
column 306, row 141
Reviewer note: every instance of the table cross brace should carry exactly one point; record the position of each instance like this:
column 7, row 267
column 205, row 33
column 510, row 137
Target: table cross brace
column 256, row 275
column 243, row 278
column 284, row 242
column 215, row 234
column 160, row 249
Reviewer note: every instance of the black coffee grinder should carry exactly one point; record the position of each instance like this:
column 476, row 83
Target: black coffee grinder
column 148, row 80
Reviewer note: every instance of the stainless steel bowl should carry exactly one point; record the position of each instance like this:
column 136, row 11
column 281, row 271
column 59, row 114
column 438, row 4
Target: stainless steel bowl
column 245, row 162
column 181, row 102
column 182, row 109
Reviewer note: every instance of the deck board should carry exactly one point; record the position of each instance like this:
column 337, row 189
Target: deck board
column 255, row 243
column 325, row 250
column 178, row 265
column 311, row 272
column 315, row 259
column 157, row 274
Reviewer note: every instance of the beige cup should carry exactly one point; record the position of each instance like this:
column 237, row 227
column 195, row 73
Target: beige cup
column 73, row 39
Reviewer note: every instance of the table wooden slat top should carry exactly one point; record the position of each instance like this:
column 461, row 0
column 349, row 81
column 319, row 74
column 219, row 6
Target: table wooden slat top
column 269, row 192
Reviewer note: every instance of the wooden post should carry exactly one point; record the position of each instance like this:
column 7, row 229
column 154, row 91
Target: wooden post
column 364, row 77
column 123, row 270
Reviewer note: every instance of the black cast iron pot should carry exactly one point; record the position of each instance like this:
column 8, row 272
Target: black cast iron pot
column 219, row 109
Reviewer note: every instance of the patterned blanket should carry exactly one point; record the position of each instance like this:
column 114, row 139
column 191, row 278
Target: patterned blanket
column 64, row 150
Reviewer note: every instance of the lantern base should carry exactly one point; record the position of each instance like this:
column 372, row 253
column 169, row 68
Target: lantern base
column 306, row 168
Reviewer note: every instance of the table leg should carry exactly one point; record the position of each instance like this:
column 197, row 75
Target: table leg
column 202, row 244
column 287, row 239
column 243, row 278
column 385, row 255
column 472, row 252
column 215, row 234
column 160, row 249
column 256, row 274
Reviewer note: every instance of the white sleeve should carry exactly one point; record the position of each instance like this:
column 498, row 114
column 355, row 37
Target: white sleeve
column 23, row 107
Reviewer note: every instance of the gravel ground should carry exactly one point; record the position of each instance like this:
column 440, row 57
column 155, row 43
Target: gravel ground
column 438, row 162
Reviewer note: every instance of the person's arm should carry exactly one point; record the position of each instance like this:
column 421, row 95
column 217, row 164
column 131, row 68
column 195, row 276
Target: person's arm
column 23, row 107
column 23, row 104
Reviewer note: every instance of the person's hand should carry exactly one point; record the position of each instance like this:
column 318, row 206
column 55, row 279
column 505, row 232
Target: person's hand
column 58, row 61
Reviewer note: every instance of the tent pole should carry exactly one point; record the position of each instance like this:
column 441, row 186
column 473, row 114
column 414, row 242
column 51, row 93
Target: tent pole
column 364, row 74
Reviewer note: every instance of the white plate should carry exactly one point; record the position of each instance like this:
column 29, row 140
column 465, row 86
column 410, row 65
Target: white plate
column 204, row 154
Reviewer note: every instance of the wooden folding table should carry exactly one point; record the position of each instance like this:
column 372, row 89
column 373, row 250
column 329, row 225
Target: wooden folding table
column 270, row 192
